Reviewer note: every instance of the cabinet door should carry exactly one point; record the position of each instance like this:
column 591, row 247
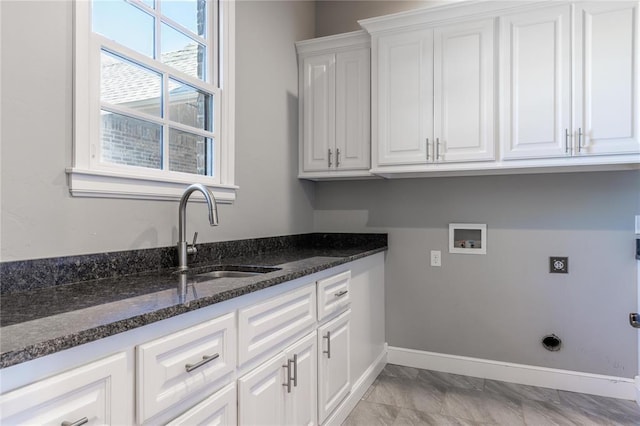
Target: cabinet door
column 404, row 97
column 536, row 83
column 99, row 393
column 464, row 92
column 301, row 402
column 261, row 394
column 318, row 94
column 607, row 78
column 165, row 366
column 353, row 111
column 218, row 409
column 333, row 364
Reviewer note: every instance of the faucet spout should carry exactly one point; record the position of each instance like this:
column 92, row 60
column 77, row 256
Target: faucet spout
column 183, row 246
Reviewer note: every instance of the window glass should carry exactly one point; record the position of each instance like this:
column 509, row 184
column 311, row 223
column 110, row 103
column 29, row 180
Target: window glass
column 182, row 53
column 187, row 13
column 190, row 106
column 129, row 141
column 125, row 24
column 190, row 153
column 130, row 85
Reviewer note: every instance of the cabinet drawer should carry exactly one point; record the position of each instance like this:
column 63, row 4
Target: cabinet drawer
column 219, row 409
column 98, row 392
column 265, row 326
column 333, row 294
column 173, row 368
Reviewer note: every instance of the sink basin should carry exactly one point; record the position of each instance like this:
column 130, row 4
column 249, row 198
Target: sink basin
column 228, row 274
column 236, row 272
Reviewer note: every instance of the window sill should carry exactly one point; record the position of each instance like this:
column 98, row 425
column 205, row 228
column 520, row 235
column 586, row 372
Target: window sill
column 102, row 184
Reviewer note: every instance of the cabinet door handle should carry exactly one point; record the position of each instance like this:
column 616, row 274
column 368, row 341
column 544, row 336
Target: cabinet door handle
column 295, row 370
column 82, row 421
column 205, row 359
column 437, row 149
column 288, row 367
column 329, row 157
column 337, row 157
column 427, row 149
column 579, row 139
column 328, row 351
column 341, row 293
column 566, row 141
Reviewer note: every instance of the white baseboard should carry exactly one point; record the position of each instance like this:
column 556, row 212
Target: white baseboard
column 358, row 390
column 573, row 381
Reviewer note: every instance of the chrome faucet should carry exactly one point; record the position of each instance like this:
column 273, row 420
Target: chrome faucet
column 185, row 248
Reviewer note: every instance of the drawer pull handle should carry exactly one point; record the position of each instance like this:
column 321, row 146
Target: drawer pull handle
column 328, row 351
column 82, row 421
column 288, row 367
column 341, row 293
column 205, row 359
column 295, row 370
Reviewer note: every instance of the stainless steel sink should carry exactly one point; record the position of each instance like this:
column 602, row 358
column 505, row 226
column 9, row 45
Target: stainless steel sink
column 236, row 272
column 229, row 274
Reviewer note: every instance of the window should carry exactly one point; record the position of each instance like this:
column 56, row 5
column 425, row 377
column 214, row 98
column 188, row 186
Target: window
column 153, row 98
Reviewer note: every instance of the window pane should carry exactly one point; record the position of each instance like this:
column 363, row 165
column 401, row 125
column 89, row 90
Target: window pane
column 130, row 141
column 190, row 106
column 189, row 153
column 125, row 24
column 130, row 85
column 182, row 52
column 189, row 13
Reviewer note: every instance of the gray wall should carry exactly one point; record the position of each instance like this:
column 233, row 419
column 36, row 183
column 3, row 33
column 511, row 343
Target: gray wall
column 499, row 306
column 341, row 16
column 40, row 218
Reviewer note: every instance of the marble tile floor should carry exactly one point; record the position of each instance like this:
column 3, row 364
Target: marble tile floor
column 409, row 396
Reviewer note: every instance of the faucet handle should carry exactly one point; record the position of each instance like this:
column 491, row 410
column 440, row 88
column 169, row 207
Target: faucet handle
column 191, row 248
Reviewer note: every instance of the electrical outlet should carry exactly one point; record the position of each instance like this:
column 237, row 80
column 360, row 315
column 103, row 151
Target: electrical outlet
column 436, row 258
column 558, row 265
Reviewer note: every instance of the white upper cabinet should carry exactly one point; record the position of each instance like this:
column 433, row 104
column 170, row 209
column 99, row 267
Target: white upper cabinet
column 463, row 95
column 353, row 124
column 536, row 83
column 335, row 105
column 538, row 86
column 318, row 117
column 404, row 95
column 607, row 77
column 435, row 95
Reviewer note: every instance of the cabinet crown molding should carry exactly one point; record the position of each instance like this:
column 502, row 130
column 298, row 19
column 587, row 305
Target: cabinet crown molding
column 334, row 43
column 441, row 13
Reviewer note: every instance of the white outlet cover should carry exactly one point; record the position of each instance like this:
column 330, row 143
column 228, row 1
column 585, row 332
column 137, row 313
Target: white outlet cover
column 436, row 258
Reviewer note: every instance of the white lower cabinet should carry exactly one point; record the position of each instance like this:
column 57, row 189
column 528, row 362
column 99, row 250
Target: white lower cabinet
column 218, row 409
column 281, row 391
column 94, row 394
column 185, row 371
column 333, row 364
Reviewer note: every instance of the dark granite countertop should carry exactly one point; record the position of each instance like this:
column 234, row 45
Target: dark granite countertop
column 39, row 317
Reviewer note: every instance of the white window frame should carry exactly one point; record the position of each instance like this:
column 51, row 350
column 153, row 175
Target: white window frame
column 88, row 177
